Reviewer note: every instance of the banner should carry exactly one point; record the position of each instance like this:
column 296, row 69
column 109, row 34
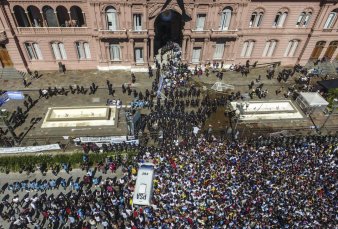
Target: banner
column 113, row 139
column 29, row 149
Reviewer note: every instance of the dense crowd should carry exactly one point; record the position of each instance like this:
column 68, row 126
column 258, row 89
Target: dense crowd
column 200, row 181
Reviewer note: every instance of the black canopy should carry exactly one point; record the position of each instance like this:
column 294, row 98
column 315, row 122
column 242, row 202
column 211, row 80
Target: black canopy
column 328, row 84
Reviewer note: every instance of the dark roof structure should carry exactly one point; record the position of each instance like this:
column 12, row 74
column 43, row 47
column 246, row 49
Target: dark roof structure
column 328, row 84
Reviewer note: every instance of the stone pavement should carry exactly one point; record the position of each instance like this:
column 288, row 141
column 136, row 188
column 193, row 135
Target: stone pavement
column 75, row 174
column 117, row 78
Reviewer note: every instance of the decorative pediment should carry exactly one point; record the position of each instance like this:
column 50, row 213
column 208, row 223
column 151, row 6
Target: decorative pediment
column 155, row 9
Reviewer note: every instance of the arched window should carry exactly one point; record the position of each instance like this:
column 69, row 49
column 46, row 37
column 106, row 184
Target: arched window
column 35, row 16
column 247, row 48
column 280, row 19
column 77, row 16
column 225, row 18
column 256, row 19
column 59, row 51
column 83, row 50
column 331, row 49
column 331, row 20
column 111, row 18
column 33, row 51
column 63, row 16
column 291, row 48
column 269, row 48
column 21, row 16
column 317, row 50
column 303, row 19
column 50, row 16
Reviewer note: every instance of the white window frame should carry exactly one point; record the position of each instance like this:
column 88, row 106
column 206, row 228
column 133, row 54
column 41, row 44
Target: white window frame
column 219, row 51
column 139, row 55
column 59, row 51
column 111, row 18
column 247, row 48
column 291, row 48
column 280, row 19
column 200, row 22
column 300, row 19
column 33, row 51
column 83, row 50
column 196, row 55
column 114, row 52
column 256, row 19
column 269, row 48
column 137, row 22
column 330, row 21
column 225, row 19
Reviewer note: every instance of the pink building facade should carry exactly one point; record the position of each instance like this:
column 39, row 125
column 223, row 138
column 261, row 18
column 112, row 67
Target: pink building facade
column 126, row 34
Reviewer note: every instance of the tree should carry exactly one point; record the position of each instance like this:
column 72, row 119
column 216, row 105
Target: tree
column 333, row 94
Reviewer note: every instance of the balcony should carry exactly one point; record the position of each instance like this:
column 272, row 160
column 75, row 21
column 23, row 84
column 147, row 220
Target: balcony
column 224, row 33
column 135, row 34
column 120, row 34
column 195, row 33
column 3, row 36
column 52, row 30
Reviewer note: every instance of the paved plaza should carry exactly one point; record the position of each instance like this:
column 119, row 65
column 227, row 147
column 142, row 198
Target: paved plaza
column 36, row 134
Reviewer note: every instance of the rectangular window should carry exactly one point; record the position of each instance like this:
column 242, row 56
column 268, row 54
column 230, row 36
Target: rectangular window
column 247, row 48
column 87, row 50
column 330, row 21
column 200, row 21
column 111, row 19
column 137, row 22
column 30, row 51
column 139, row 55
column 269, row 48
column 293, row 48
column 59, row 51
column 83, row 51
column 196, row 55
column 115, row 54
column 37, row 51
column 80, row 51
column 219, row 50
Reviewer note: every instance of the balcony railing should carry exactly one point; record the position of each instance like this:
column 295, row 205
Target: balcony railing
column 138, row 33
column 223, row 33
column 53, row 30
column 120, row 33
column 3, row 36
column 197, row 33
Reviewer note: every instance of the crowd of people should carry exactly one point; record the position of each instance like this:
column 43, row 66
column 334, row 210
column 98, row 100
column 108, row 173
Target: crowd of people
column 201, row 181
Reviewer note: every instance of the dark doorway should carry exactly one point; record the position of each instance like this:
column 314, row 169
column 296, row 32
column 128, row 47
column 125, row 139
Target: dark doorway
column 168, row 27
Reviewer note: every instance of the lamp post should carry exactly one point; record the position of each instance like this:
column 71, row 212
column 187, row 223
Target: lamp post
column 4, row 115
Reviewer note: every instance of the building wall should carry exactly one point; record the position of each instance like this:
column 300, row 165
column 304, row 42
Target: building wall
column 94, row 31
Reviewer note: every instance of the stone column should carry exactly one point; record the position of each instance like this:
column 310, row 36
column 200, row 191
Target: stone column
column 151, row 49
column 184, row 47
column 131, row 51
column 70, row 19
column 29, row 19
column 189, row 59
column 57, row 19
column 84, row 19
column 44, row 23
column 145, row 50
column 205, row 52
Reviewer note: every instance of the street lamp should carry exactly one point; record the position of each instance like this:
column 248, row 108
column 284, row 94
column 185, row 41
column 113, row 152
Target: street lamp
column 4, row 115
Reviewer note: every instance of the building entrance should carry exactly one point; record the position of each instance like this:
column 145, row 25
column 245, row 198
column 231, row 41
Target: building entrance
column 168, row 27
column 5, row 59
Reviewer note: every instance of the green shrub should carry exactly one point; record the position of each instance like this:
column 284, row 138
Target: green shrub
column 16, row 163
